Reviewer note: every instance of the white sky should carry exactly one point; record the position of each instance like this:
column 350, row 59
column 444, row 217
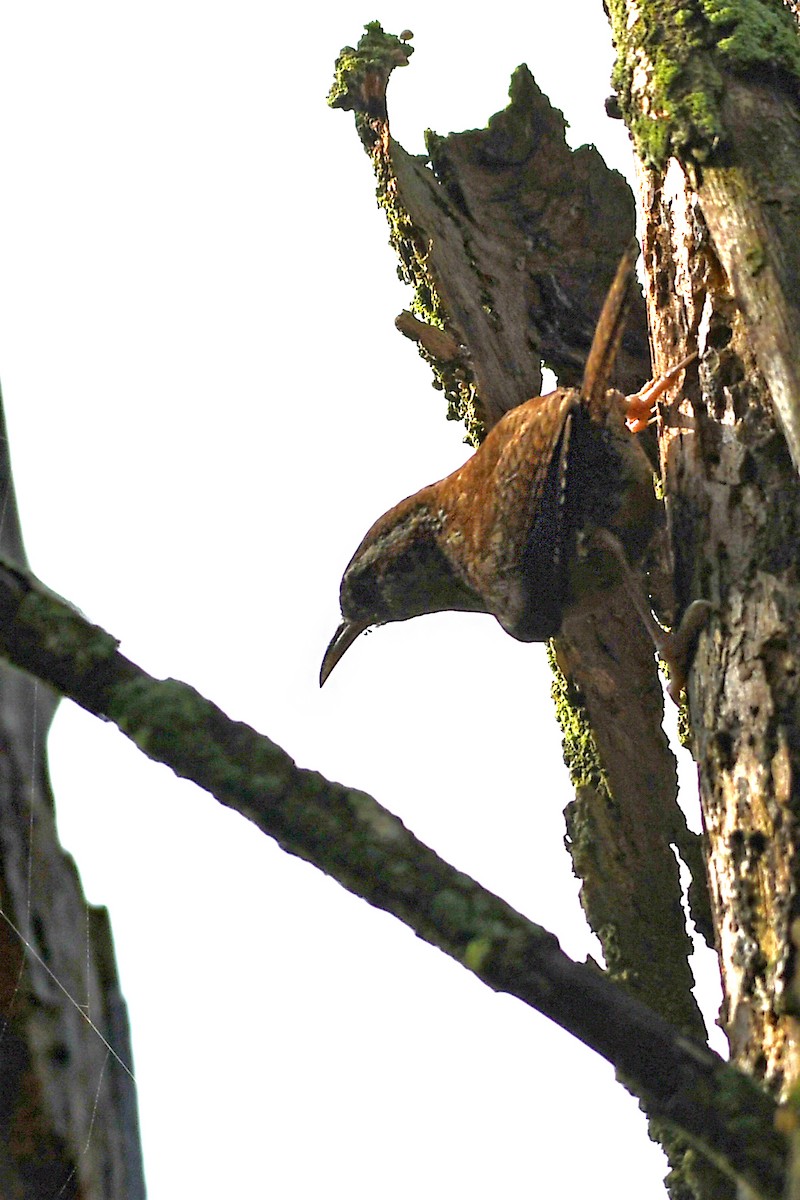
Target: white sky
column 208, row 406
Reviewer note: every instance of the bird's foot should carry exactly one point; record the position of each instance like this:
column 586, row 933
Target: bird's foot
column 675, row 647
column 641, row 405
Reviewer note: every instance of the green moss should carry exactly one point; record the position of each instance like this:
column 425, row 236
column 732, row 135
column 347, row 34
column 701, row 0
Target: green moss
column 476, row 953
column 171, row 722
column 362, row 70
column 671, row 62
column 156, row 713
column 754, row 33
column 669, row 91
column 360, row 79
column 63, row 633
column 756, row 258
column 580, row 751
column 452, row 910
column 616, row 967
column 411, row 246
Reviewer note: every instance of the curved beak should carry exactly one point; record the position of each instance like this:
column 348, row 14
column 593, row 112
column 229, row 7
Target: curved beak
column 342, row 640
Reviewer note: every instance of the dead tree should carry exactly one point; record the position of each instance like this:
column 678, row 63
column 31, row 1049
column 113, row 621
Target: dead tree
column 507, row 237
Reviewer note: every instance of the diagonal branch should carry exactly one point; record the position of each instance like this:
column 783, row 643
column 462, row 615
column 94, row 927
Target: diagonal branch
column 369, row 851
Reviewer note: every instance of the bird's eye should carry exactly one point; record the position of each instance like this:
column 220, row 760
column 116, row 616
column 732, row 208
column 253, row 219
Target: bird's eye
column 360, row 596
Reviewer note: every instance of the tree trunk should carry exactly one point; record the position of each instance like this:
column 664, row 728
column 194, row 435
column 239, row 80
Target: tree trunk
column 719, row 200
column 68, row 1117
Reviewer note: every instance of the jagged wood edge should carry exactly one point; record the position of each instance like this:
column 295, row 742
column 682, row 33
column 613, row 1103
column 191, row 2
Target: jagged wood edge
column 509, row 238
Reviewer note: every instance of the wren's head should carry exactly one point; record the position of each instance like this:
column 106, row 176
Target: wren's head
column 399, row 571
column 489, row 538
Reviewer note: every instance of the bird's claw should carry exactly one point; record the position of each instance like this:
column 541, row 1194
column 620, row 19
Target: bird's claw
column 676, row 648
column 640, row 406
column 673, row 646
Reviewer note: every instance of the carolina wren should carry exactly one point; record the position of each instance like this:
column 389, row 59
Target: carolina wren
column 554, row 505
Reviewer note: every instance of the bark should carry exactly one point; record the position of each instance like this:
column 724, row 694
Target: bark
column 369, row 851
column 716, row 85
column 68, row 1117
column 509, row 238
column 721, row 210
column 511, row 241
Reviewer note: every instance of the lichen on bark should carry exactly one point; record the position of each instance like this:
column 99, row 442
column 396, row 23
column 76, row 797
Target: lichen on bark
column 672, row 57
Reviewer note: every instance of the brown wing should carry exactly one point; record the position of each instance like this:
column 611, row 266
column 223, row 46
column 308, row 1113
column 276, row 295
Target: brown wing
column 516, row 539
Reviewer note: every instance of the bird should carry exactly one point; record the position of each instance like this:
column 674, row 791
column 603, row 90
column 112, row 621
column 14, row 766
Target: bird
column 555, row 505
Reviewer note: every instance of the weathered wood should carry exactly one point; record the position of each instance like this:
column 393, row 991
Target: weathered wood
column 751, row 205
column 719, row 195
column 509, row 238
